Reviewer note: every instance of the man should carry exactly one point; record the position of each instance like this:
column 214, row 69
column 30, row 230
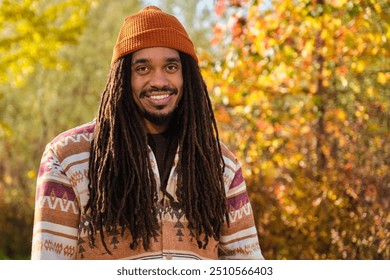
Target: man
column 148, row 178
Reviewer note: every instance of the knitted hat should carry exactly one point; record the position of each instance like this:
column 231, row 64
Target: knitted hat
column 151, row 27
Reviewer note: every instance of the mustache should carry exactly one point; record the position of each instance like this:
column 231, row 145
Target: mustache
column 170, row 90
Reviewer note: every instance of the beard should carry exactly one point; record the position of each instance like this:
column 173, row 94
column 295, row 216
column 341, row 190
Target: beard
column 158, row 118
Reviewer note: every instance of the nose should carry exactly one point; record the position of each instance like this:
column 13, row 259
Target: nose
column 159, row 79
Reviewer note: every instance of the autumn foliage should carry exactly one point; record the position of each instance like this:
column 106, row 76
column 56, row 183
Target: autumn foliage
column 300, row 90
column 302, row 94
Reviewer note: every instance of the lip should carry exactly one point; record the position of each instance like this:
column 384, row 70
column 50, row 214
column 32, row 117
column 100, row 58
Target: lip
column 159, row 99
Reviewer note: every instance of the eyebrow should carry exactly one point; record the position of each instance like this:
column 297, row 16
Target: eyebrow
column 147, row 60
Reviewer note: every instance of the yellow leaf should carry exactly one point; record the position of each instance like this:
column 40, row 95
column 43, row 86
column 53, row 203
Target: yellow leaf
column 341, row 115
column 370, row 92
column 378, row 8
column 360, row 66
column 31, row 174
column 381, row 78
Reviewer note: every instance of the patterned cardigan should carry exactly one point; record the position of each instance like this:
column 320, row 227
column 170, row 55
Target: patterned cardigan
column 60, row 223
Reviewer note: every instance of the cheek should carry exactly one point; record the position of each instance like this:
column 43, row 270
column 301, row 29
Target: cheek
column 179, row 84
column 180, row 81
column 135, row 90
column 134, row 85
column 178, row 99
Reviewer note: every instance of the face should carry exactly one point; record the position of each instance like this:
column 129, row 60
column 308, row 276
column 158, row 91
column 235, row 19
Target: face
column 157, row 84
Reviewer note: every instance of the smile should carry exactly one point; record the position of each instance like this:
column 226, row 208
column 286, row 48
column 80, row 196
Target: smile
column 159, row 97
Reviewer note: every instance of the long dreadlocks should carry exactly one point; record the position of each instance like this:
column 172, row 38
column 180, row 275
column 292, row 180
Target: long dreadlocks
column 122, row 191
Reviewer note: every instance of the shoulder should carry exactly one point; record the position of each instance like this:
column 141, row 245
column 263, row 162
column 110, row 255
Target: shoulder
column 233, row 172
column 78, row 131
column 73, row 141
column 229, row 157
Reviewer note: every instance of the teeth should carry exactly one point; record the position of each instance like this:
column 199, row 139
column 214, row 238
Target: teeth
column 159, row 97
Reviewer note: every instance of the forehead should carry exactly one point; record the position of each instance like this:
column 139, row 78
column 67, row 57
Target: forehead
column 155, row 54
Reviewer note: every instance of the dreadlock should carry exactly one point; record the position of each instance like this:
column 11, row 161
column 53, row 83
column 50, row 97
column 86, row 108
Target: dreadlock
column 200, row 189
column 122, row 192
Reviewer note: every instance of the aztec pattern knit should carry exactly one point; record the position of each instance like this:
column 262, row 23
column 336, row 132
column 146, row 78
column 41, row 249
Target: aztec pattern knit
column 60, row 223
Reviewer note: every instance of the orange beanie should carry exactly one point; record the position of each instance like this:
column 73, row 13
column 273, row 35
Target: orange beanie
column 151, row 27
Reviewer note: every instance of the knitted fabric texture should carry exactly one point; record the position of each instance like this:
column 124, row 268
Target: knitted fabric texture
column 151, row 27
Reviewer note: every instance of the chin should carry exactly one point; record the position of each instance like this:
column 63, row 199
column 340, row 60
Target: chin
column 158, row 119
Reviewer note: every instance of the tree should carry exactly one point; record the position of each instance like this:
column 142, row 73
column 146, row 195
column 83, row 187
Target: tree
column 302, row 95
column 51, row 98
column 33, row 32
column 55, row 57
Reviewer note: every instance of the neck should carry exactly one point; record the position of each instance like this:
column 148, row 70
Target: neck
column 153, row 128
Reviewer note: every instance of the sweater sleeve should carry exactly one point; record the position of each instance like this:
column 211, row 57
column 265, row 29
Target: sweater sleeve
column 239, row 239
column 56, row 214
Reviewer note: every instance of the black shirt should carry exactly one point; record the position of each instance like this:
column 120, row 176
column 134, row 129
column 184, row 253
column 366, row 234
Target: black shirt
column 164, row 147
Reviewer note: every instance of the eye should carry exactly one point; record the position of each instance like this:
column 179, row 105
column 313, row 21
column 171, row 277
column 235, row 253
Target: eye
column 172, row 68
column 142, row 69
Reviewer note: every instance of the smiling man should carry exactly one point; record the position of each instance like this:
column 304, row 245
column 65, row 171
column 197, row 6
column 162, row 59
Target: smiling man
column 149, row 177
column 156, row 83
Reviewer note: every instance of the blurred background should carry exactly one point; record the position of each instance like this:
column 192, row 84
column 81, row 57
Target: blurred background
column 300, row 90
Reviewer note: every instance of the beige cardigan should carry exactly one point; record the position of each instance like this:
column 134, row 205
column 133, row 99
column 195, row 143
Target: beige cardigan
column 62, row 193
